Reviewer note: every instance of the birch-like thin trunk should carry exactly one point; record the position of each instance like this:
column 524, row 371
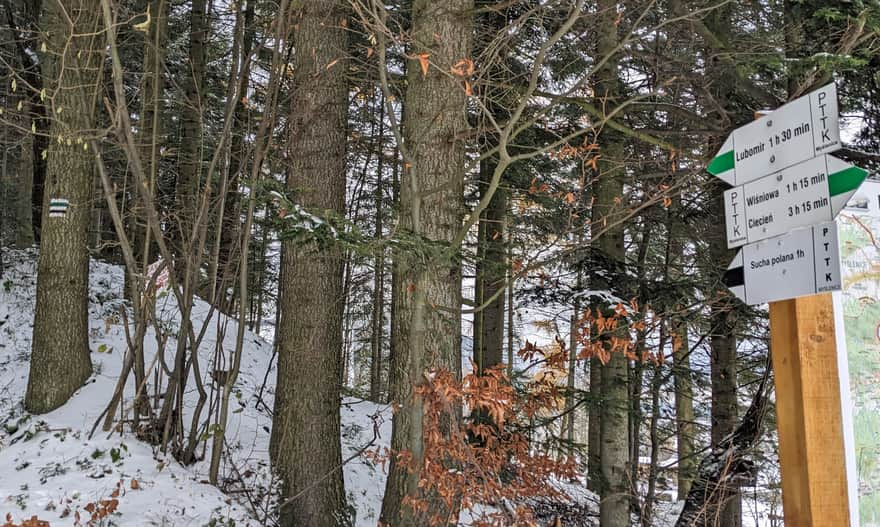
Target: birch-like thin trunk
column 377, row 335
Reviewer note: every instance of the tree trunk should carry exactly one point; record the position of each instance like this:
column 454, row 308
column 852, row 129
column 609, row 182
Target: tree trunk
column 230, row 222
column 637, row 368
column 24, row 179
column 431, row 208
column 594, row 457
column 305, row 443
column 491, row 272
column 685, row 429
column 721, row 319
column 723, row 360
column 636, row 374
column 395, row 271
column 726, row 466
column 614, row 406
column 60, row 360
column 378, row 315
column 30, row 33
column 150, row 138
column 685, row 432
column 569, row 421
column 647, row 511
column 191, row 143
column 510, row 305
column 150, row 126
column 613, row 419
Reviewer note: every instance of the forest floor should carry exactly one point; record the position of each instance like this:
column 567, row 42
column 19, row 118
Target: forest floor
column 50, row 467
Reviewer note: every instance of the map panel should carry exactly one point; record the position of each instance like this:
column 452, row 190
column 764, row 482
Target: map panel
column 859, row 231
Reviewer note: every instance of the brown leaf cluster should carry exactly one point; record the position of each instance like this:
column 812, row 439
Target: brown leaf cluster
column 33, row 521
column 484, row 457
column 602, row 333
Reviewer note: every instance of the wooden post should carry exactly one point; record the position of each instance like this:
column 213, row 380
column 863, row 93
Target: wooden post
column 808, row 412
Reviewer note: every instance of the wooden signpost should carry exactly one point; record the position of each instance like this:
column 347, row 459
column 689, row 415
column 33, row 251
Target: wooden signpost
column 808, row 412
column 787, row 271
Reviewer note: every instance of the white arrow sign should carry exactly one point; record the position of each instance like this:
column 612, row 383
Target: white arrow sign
column 802, row 262
column 805, row 127
column 810, row 192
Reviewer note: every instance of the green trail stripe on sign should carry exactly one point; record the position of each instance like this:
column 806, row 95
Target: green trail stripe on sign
column 846, row 180
column 58, row 203
column 721, row 163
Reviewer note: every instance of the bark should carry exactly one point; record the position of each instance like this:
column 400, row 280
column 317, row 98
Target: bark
column 637, row 370
column 725, row 467
column 569, row 421
column 16, row 173
column 685, row 430
column 723, row 364
column 305, row 443
column 24, row 179
column 647, row 511
column 4, row 188
column 28, row 38
column 594, row 456
column 613, row 413
column 150, row 137
column 186, row 241
column 431, row 209
column 491, row 274
column 614, row 406
column 510, row 306
column 378, row 315
column 60, row 360
column 491, row 250
column 190, row 162
column 395, row 270
column 721, row 317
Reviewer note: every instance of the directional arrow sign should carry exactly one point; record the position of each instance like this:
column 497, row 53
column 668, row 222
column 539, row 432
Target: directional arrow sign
column 810, row 192
column 802, row 262
column 805, row 127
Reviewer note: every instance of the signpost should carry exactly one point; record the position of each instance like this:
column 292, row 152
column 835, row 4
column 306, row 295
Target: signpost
column 803, row 262
column 810, row 192
column 786, row 193
column 804, row 128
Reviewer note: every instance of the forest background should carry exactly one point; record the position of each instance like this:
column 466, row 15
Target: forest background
column 491, row 215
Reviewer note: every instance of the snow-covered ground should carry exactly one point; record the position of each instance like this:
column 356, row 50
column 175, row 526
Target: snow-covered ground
column 49, row 468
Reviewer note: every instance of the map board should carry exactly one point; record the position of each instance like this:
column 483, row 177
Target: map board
column 859, row 232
